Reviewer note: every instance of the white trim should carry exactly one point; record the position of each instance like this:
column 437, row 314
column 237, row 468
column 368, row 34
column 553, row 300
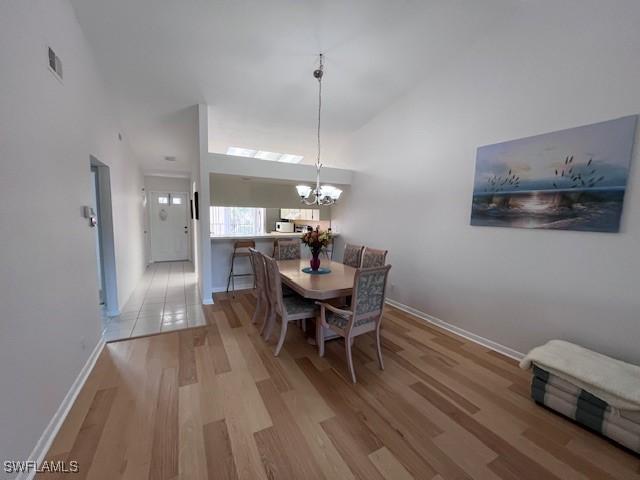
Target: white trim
column 46, row 439
column 485, row 342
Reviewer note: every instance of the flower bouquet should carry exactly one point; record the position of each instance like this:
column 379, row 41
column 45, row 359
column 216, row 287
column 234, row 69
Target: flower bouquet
column 316, row 241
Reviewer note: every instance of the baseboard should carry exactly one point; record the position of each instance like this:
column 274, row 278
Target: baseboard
column 239, row 286
column 49, row 434
column 485, row 342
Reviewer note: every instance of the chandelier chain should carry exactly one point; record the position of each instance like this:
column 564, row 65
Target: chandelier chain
column 319, row 109
column 321, row 195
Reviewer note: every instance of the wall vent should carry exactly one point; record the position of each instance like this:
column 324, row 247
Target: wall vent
column 55, row 64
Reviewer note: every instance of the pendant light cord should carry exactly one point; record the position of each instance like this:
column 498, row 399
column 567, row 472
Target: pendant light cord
column 319, row 111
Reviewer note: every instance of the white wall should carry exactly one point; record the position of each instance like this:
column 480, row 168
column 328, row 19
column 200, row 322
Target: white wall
column 49, row 320
column 554, row 65
column 234, row 191
column 156, row 183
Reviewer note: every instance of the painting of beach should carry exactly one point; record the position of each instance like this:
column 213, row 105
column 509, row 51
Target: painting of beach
column 572, row 179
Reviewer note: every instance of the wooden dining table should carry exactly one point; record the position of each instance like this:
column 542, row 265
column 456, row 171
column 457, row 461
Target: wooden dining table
column 335, row 284
column 326, row 286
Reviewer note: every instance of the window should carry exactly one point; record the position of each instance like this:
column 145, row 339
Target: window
column 237, row 221
column 264, row 155
column 176, row 200
column 163, row 200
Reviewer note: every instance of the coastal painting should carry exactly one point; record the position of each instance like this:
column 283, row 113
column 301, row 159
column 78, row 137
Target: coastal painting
column 572, row 179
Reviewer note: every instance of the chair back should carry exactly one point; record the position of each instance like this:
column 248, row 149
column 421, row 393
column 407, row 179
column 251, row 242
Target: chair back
column 274, row 283
column 369, row 291
column 288, row 249
column 352, row 255
column 373, row 258
column 259, row 269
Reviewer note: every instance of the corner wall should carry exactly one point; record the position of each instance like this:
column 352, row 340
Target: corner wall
column 50, row 320
column 555, row 65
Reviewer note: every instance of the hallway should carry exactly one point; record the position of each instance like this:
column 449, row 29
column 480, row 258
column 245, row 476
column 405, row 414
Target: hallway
column 166, row 299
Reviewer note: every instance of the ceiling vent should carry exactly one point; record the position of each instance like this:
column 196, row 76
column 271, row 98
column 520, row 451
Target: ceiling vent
column 55, row 64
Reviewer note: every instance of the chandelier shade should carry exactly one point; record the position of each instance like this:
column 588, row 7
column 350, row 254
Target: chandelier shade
column 304, row 190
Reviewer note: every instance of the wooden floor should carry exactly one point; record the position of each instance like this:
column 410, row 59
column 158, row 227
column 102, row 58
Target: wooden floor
column 214, row 403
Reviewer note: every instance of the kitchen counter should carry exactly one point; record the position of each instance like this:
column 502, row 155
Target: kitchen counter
column 256, row 236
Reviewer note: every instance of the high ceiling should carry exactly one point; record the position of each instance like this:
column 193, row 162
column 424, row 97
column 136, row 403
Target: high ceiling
column 251, row 62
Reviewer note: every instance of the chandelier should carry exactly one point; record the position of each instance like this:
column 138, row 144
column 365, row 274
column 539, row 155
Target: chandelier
column 320, row 194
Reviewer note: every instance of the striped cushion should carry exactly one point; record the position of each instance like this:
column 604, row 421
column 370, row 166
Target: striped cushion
column 594, row 413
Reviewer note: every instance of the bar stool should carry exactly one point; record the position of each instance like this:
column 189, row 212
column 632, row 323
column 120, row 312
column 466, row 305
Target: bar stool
column 241, row 250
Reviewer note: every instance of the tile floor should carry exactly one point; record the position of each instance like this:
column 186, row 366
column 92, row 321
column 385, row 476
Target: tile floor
column 166, row 299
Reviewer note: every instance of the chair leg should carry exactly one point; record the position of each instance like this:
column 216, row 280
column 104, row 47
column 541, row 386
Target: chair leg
column 230, row 274
column 268, row 325
column 320, row 337
column 265, row 315
column 254, row 318
column 233, row 286
column 283, row 336
column 379, row 348
column 347, row 342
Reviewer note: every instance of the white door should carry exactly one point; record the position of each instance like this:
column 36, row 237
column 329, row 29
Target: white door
column 169, row 226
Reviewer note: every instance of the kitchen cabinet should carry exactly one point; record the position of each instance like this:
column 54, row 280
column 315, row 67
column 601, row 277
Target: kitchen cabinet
column 311, row 214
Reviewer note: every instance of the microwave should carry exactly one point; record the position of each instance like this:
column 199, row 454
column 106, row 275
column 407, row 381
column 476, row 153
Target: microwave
column 284, row 227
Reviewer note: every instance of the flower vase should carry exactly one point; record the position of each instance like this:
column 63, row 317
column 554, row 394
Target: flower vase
column 315, row 260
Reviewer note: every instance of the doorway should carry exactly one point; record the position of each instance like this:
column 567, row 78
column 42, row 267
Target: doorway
column 169, row 226
column 104, row 240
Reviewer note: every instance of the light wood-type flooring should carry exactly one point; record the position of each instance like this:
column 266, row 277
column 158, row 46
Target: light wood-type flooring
column 214, row 403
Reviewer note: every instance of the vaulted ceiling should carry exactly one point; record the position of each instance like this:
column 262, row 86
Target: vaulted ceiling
column 251, row 61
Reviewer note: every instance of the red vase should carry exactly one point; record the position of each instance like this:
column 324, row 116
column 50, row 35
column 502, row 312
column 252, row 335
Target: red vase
column 315, row 261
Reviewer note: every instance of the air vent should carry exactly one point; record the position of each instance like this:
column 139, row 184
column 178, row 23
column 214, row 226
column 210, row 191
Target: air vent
column 55, row 64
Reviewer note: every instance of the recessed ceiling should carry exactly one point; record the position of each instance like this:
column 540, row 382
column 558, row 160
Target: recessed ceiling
column 252, row 63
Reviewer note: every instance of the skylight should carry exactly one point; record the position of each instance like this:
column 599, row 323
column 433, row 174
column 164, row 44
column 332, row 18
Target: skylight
column 264, row 155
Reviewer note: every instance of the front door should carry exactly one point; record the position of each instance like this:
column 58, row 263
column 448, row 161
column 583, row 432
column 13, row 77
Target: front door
column 169, row 226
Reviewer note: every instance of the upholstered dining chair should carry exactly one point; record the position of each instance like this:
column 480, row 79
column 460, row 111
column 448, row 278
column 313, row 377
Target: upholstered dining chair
column 373, row 258
column 352, row 255
column 288, row 308
column 365, row 315
column 262, row 293
column 288, row 249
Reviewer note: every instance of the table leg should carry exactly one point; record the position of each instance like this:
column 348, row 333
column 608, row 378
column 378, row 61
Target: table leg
column 311, row 333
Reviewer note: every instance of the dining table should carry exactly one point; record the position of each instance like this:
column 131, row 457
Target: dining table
column 334, row 285
column 317, row 286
